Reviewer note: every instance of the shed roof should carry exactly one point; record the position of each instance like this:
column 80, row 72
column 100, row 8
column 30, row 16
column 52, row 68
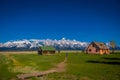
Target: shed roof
column 47, row 48
column 101, row 45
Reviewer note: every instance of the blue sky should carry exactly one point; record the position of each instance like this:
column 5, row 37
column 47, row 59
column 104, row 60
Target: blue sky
column 83, row 20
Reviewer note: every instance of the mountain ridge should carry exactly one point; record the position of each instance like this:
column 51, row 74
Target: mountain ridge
column 33, row 44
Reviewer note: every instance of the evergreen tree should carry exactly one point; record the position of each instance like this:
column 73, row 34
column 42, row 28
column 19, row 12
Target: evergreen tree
column 112, row 45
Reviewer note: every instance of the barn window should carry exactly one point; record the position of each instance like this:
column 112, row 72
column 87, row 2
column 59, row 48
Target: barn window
column 96, row 50
column 89, row 50
column 93, row 45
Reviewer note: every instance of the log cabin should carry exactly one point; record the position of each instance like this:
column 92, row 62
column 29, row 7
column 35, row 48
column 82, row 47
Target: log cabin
column 97, row 48
column 46, row 50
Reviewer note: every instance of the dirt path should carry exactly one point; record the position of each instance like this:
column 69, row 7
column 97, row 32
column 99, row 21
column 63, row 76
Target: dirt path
column 15, row 62
column 59, row 68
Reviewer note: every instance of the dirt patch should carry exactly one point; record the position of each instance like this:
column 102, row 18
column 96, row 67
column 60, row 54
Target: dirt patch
column 19, row 67
column 59, row 68
column 26, row 69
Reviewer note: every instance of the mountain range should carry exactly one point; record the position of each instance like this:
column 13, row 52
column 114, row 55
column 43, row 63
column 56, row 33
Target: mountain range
column 33, row 44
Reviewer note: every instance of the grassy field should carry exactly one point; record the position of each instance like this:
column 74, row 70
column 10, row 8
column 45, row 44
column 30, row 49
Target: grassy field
column 78, row 66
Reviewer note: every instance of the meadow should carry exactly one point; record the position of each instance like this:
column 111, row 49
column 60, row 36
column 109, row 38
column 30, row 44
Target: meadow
column 79, row 66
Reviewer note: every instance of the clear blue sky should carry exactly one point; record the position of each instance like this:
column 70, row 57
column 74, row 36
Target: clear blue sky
column 83, row 20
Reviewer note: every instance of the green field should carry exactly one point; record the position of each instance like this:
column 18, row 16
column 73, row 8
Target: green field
column 79, row 66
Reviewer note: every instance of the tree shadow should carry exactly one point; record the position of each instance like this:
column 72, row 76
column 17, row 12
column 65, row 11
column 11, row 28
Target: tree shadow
column 104, row 62
column 113, row 58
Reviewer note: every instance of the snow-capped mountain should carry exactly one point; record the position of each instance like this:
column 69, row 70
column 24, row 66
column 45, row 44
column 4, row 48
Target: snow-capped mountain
column 35, row 43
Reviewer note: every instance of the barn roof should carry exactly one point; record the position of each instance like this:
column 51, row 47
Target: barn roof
column 100, row 45
column 47, row 48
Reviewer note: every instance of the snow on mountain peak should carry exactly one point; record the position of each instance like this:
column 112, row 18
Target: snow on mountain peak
column 34, row 43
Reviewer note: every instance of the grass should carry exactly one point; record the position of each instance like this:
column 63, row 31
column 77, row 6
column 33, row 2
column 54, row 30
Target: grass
column 90, row 67
column 95, row 67
column 5, row 73
column 79, row 66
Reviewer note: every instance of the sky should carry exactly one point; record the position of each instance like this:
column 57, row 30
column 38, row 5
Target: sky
column 83, row 20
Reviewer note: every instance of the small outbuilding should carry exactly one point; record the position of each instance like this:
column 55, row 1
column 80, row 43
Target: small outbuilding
column 97, row 48
column 46, row 50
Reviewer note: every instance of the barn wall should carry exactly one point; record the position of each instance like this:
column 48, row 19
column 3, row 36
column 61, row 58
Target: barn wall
column 104, row 51
column 92, row 49
column 48, row 52
column 40, row 51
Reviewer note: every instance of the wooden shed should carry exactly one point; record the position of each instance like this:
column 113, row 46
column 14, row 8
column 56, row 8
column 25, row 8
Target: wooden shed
column 46, row 50
column 97, row 48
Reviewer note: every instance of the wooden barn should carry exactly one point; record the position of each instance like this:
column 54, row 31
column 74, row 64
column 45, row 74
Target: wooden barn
column 46, row 50
column 97, row 48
